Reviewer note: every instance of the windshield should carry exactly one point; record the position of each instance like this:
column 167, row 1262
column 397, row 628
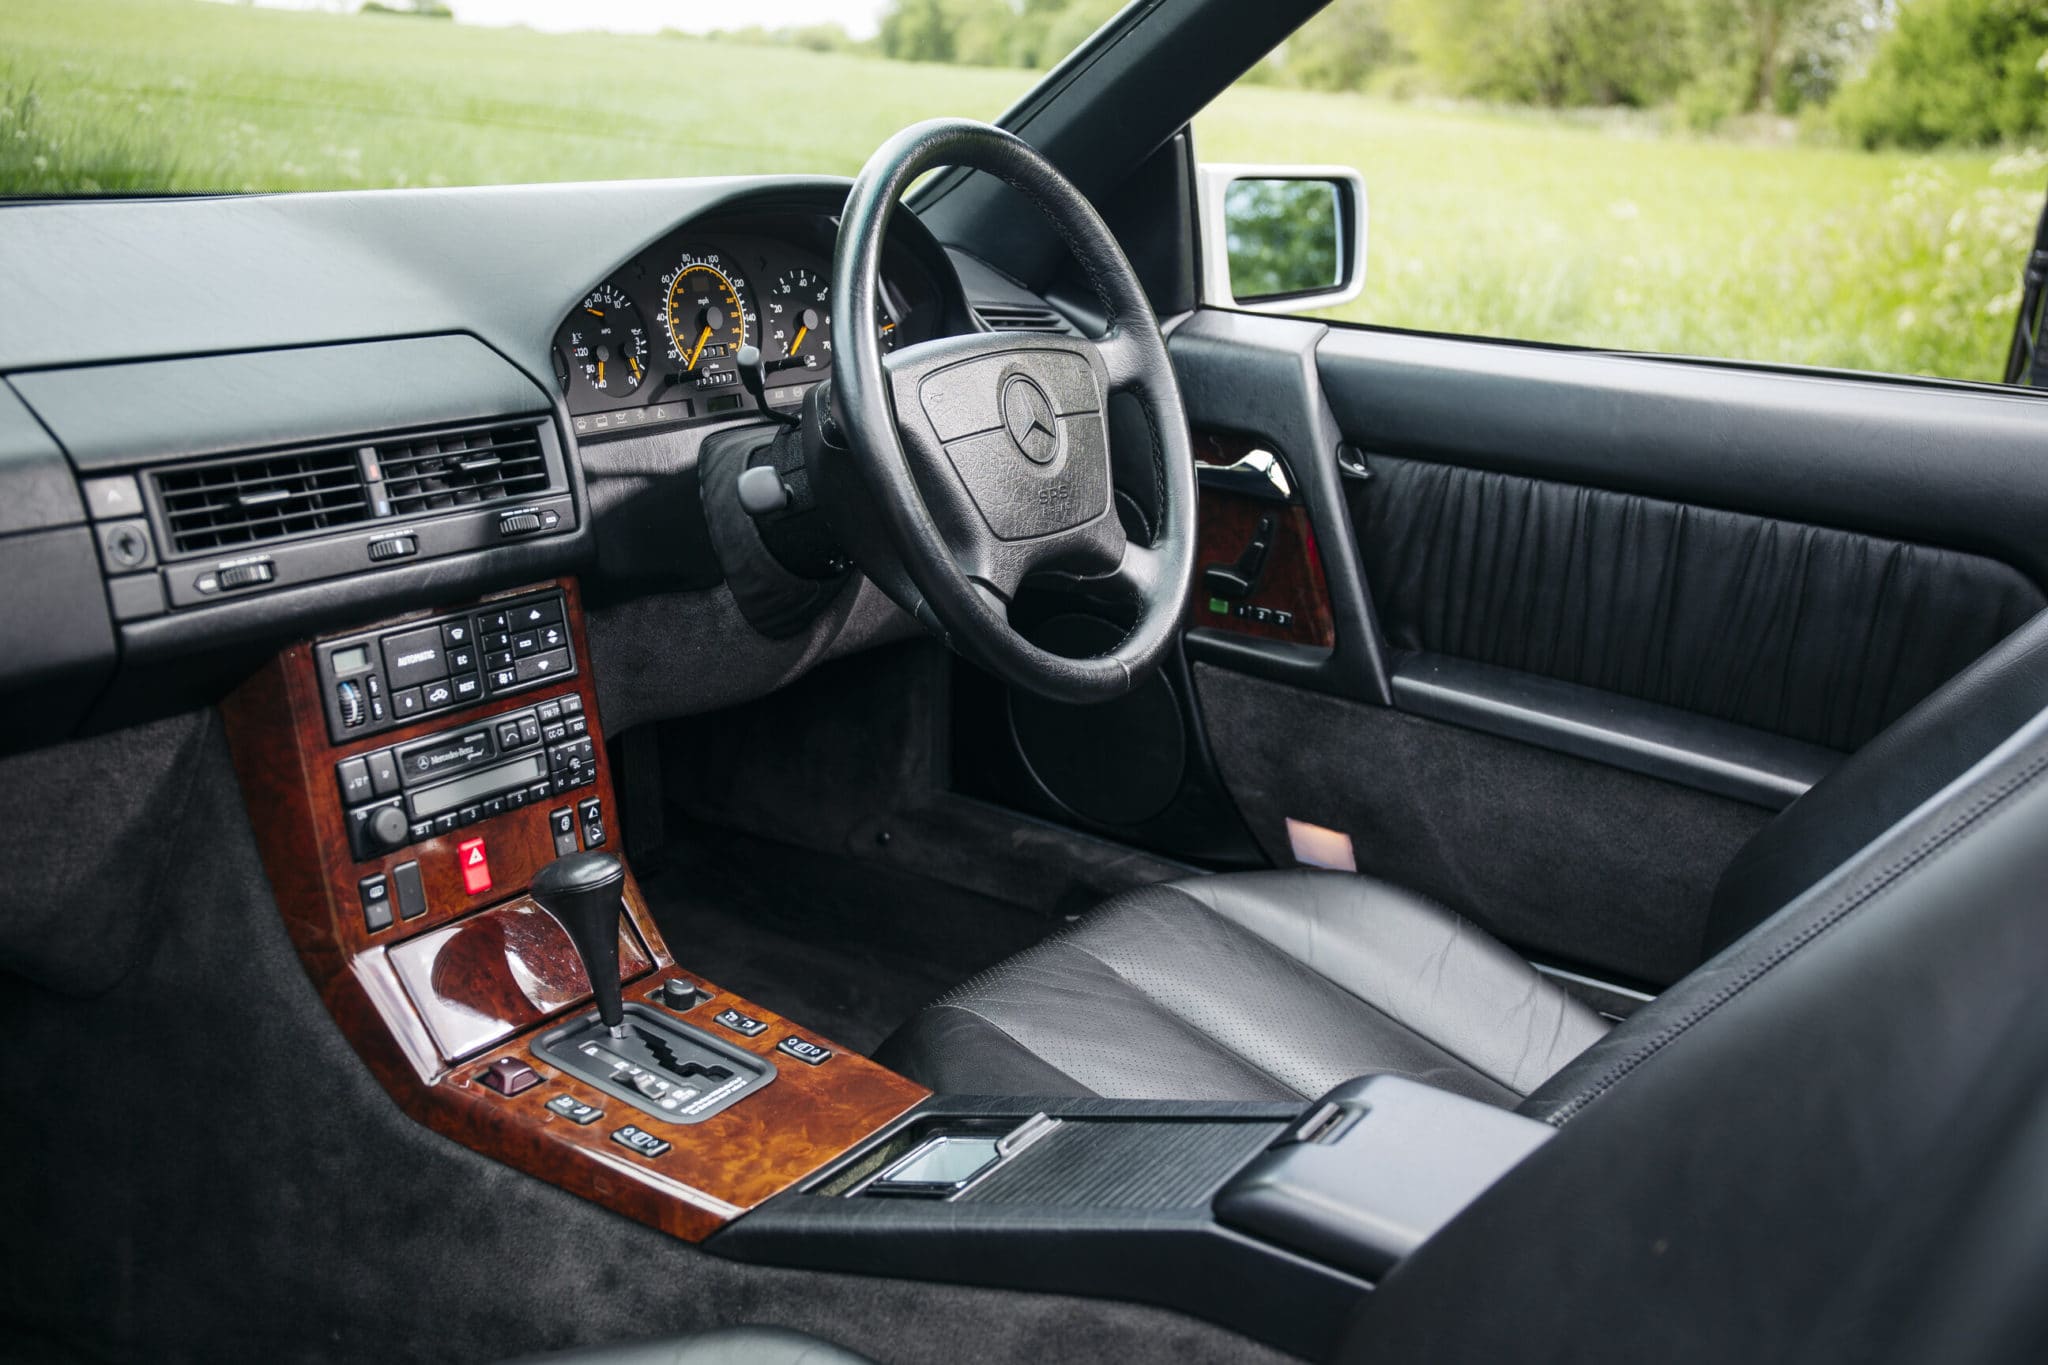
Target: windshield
column 142, row 96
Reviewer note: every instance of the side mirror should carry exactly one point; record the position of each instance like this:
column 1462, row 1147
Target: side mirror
column 1281, row 239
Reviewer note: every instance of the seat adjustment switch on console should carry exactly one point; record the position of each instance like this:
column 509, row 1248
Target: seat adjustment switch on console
column 585, row 892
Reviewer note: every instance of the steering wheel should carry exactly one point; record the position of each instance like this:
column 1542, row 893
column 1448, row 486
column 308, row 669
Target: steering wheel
column 986, row 459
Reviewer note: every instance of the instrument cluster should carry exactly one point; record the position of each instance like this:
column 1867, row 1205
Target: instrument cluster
column 658, row 341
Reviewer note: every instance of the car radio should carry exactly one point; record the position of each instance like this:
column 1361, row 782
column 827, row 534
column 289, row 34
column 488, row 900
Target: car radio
column 385, row 678
column 441, row 782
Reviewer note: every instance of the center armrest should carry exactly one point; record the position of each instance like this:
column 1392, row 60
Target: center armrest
column 1373, row 1171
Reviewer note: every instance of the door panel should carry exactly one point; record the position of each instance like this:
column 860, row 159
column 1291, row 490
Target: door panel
column 1575, row 861
column 1815, row 634
column 1598, row 616
column 1954, row 465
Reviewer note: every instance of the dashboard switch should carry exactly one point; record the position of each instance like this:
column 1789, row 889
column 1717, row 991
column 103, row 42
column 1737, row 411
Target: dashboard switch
column 245, row 575
column 411, row 889
column 562, row 823
column 376, row 894
column 509, row 1076
column 518, row 523
column 475, row 864
column 739, row 1023
column 394, row 547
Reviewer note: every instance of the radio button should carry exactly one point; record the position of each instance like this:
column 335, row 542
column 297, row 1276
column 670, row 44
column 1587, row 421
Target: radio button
column 383, row 772
column 492, row 621
column 502, row 678
column 529, row 729
column 354, row 776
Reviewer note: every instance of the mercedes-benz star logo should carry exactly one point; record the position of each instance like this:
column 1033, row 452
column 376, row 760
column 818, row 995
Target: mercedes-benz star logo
column 1028, row 417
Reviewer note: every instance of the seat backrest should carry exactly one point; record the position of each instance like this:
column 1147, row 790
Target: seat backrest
column 1910, row 760
column 1757, row 1165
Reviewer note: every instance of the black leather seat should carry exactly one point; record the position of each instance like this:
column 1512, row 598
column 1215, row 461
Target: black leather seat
column 1281, row 984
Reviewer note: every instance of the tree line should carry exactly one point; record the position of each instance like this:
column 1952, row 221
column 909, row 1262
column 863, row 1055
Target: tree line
column 1878, row 72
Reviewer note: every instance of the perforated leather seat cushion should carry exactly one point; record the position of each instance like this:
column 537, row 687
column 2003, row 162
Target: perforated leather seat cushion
column 1265, row 985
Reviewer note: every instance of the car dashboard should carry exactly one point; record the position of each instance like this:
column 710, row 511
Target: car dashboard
column 317, row 410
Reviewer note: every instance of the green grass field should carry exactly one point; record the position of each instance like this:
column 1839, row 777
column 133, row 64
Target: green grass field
column 1598, row 232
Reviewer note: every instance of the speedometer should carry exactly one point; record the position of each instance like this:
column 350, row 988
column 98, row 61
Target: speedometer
column 707, row 317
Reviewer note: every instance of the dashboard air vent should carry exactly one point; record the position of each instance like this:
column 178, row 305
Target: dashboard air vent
column 462, row 468
column 1021, row 317
column 254, row 498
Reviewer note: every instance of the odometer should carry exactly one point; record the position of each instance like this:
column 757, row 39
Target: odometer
column 707, row 317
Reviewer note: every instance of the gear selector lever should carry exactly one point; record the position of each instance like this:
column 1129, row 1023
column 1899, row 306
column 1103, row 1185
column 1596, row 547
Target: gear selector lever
column 585, row 892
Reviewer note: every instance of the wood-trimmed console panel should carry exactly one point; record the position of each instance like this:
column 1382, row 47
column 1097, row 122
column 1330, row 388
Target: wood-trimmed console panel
column 713, row 1171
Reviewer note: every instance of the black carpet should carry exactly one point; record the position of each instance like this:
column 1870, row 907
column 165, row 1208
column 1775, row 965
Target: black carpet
column 197, row 1167
column 847, row 946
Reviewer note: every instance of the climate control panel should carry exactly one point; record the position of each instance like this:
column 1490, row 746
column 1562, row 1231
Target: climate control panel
column 382, row 679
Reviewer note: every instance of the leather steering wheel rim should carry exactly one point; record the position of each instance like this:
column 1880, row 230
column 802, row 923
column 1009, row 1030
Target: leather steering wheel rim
column 970, row 515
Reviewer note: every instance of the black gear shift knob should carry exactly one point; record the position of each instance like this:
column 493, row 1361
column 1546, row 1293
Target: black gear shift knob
column 585, row 891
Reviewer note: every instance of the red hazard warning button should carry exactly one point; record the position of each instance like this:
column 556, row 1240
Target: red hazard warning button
column 476, row 867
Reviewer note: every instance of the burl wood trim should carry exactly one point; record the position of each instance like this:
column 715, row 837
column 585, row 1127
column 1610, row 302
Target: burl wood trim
column 714, row 1170
column 1293, row 580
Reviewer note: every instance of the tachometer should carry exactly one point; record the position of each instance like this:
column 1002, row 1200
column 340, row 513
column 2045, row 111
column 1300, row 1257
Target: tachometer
column 608, row 342
column 708, row 319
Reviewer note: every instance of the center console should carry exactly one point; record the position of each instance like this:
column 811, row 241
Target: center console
column 434, row 807
column 414, row 787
